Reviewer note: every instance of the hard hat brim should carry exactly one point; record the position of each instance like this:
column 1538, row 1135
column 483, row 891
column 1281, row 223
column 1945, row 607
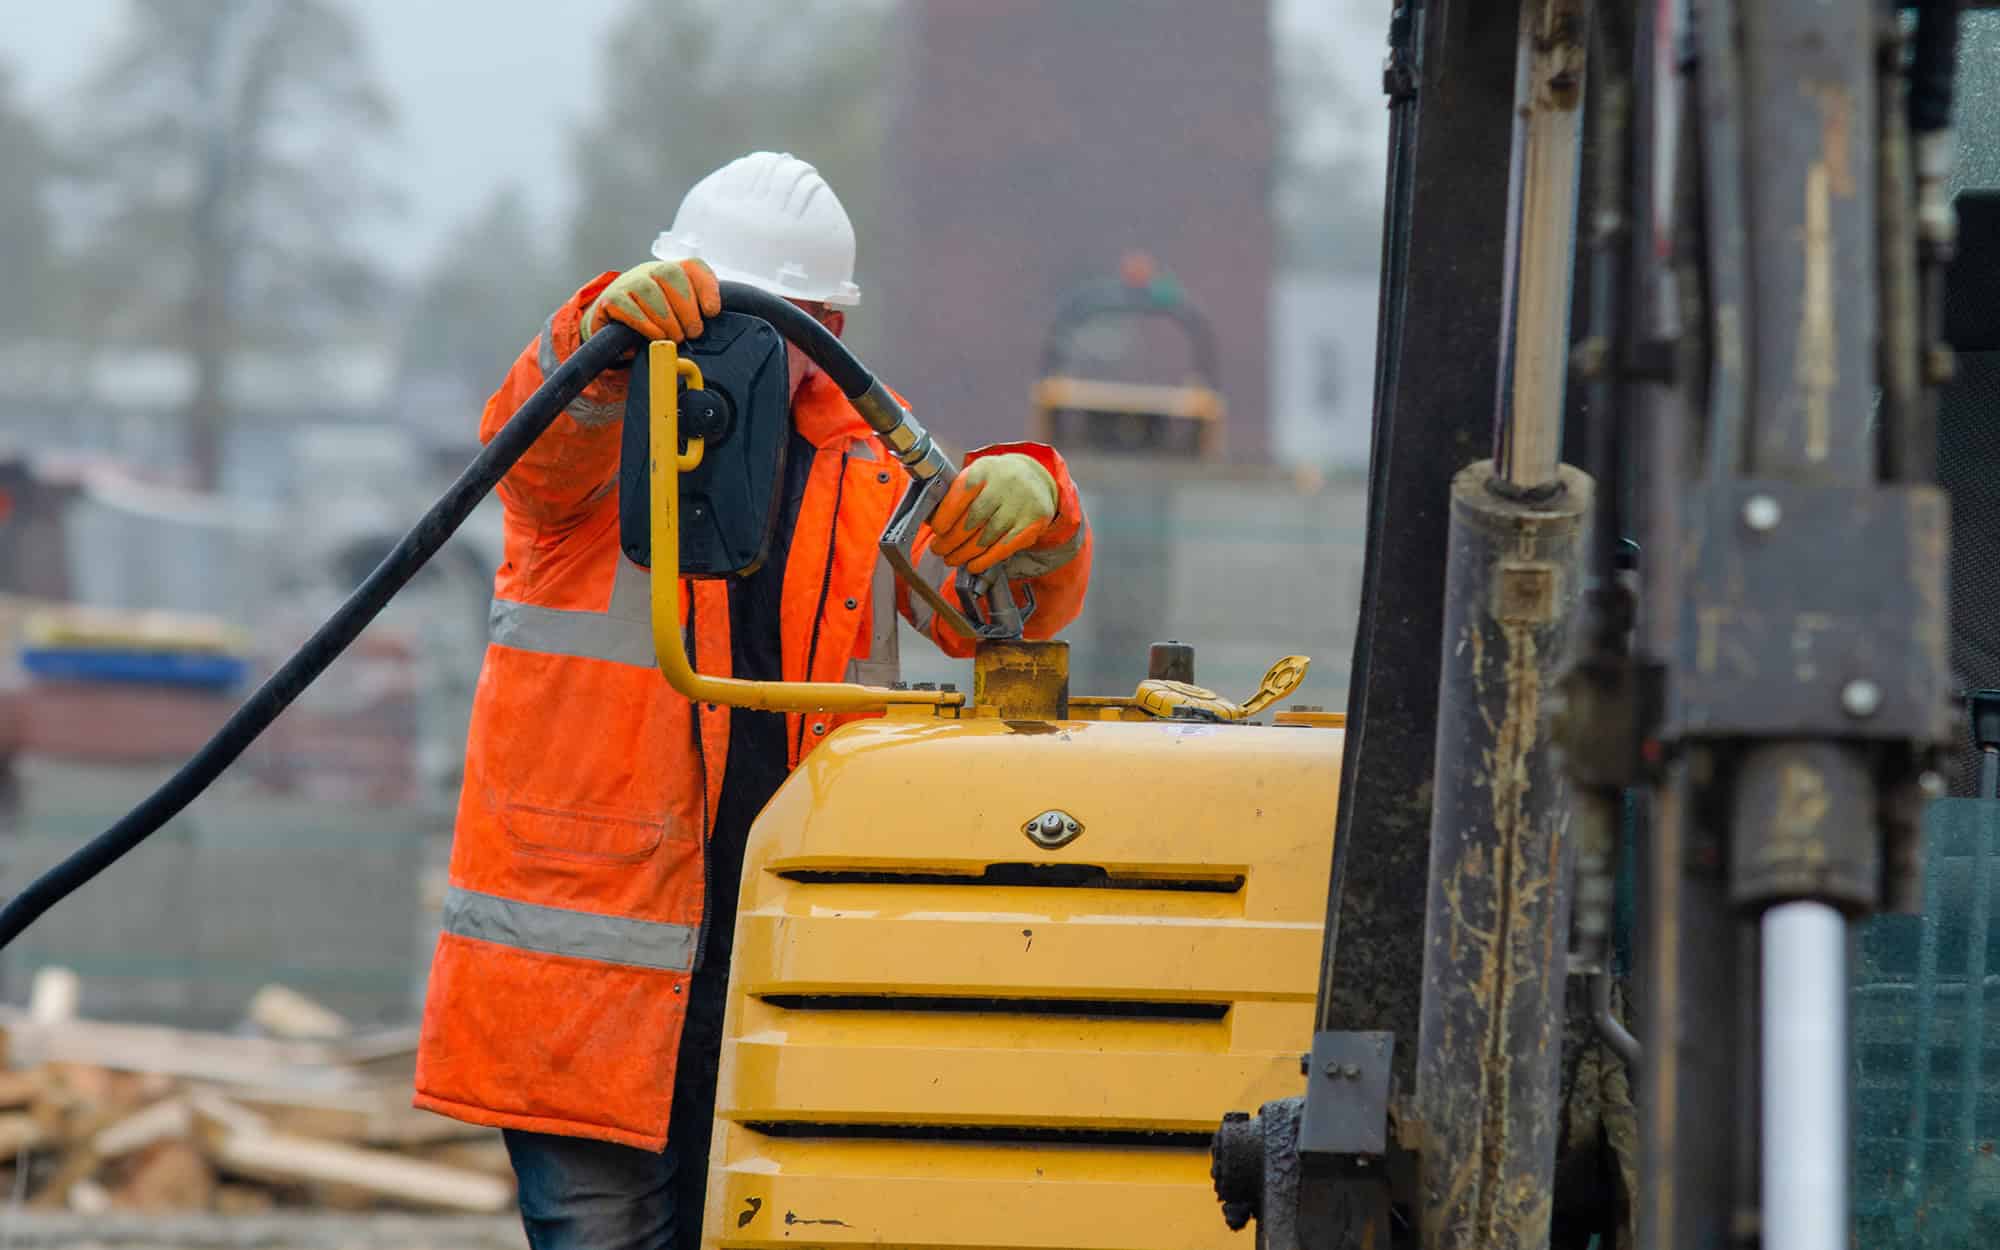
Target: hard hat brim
column 846, row 295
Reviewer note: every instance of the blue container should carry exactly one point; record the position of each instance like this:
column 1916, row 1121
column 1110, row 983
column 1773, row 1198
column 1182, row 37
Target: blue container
column 183, row 669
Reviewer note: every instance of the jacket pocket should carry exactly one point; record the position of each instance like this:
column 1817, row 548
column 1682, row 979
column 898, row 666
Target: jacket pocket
column 580, row 759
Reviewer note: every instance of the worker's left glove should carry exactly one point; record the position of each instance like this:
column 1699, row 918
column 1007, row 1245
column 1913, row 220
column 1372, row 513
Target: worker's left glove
column 661, row 299
column 996, row 506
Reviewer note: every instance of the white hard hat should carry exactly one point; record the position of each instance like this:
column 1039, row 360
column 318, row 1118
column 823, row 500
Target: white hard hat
column 768, row 219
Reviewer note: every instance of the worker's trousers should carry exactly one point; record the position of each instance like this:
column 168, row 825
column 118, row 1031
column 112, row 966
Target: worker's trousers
column 578, row 1194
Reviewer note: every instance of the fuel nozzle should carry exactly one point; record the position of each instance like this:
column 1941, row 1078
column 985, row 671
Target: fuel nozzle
column 985, row 606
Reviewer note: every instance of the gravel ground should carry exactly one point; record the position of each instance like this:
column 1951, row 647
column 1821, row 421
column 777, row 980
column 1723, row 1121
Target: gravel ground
column 23, row 1230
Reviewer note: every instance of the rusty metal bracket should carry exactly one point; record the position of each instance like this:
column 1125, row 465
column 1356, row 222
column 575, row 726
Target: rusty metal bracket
column 1336, row 1193
column 1604, row 719
column 1347, row 1094
column 1782, row 638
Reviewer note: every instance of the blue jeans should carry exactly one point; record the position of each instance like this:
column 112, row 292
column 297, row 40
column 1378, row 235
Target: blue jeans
column 577, row 1194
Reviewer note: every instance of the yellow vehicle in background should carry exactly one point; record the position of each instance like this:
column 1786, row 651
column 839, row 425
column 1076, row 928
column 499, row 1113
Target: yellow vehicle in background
column 1077, row 408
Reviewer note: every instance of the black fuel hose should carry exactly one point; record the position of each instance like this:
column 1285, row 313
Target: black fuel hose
column 800, row 329
column 601, row 351
column 881, row 410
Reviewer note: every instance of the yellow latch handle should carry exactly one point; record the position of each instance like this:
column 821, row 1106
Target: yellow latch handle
column 665, row 368
column 683, row 368
column 1163, row 698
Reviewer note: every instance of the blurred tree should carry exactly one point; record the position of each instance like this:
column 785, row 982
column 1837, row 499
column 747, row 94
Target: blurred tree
column 471, row 316
column 29, row 298
column 227, row 139
column 1328, row 194
column 690, row 86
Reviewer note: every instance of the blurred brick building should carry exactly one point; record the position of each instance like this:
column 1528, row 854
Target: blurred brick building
column 1031, row 144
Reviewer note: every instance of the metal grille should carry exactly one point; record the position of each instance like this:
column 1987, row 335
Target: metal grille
column 1969, row 454
column 1926, row 1105
column 1925, row 1059
column 1926, row 1101
column 1969, row 469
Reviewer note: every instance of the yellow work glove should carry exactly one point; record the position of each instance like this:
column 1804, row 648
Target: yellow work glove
column 661, row 299
column 995, row 507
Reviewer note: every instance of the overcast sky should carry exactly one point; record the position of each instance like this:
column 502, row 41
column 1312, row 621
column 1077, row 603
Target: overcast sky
column 486, row 91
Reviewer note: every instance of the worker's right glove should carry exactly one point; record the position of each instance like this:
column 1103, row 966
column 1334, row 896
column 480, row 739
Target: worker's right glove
column 661, row 299
column 997, row 505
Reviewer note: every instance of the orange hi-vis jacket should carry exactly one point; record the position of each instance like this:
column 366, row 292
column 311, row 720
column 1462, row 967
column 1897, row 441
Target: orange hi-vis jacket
column 574, row 913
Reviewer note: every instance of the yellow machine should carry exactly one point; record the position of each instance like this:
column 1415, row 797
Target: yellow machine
column 981, row 997
column 947, row 1029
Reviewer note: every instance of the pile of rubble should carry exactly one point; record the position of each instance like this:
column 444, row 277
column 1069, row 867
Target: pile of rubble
column 99, row 1117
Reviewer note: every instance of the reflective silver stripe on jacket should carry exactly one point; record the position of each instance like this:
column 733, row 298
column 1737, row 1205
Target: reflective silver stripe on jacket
column 559, row 931
column 545, row 349
column 590, row 414
column 622, row 634
column 556, row 631
column 585, row 412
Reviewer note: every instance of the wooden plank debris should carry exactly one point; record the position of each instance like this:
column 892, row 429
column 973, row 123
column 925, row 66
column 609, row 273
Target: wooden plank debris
column 220, row 1058
column 168, row 1176
column 52, row 996
column 20, row 1132
column 284, row 1012
column 21, row 1089
column 166, row 1119
column 106, row 1118
column 284, row 1157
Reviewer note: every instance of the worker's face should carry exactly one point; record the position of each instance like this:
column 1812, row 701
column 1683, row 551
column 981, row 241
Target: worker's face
column 795, row 360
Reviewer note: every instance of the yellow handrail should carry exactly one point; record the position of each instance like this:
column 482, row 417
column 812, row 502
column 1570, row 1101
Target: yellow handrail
column 665, row 368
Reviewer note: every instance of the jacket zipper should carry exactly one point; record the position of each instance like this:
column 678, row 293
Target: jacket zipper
column 825, row 587
column 701, row 771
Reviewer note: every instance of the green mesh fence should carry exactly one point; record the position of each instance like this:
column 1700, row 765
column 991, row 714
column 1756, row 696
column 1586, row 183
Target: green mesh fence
column 1926, row 1103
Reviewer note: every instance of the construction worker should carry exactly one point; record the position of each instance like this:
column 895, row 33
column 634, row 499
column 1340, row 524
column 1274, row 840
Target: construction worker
column 576, row 995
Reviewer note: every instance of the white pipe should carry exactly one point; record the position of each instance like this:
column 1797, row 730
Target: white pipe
column 1805, row 1078
column 1548, row 133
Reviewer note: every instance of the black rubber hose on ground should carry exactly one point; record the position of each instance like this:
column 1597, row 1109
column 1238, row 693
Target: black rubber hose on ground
column 601, row 351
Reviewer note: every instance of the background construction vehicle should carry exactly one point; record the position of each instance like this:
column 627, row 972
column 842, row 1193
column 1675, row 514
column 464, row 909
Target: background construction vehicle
column 1085, row 400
